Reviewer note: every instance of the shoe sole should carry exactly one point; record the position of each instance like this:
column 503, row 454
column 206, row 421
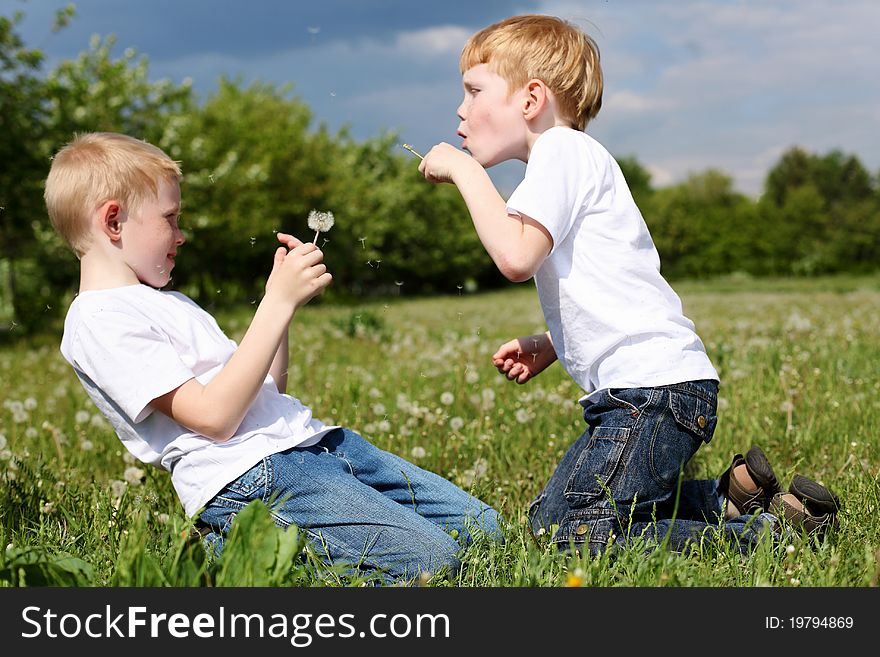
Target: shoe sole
column 816, row 497
column 761, row 471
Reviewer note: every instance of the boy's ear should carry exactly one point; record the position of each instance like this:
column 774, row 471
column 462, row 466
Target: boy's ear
column 536, row 97
column 110, row 220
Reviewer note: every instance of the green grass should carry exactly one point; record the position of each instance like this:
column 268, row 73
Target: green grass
column 798, row 362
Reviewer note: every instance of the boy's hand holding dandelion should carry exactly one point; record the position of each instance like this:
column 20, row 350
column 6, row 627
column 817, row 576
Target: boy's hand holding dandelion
column 298, row 272
column 524, row 358
column 444, row 162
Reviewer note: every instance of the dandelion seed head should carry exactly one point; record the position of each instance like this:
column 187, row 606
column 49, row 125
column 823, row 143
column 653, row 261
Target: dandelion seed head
column 98, row 421
column 133, row 475
column 446, row 398
column 456, row 423
column 29, row 404
column 321, row 221
column 82, row 417
column 117, row 488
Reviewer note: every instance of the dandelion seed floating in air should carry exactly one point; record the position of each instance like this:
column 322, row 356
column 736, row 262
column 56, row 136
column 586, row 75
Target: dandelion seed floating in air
column 320, row 222
column 411, row 150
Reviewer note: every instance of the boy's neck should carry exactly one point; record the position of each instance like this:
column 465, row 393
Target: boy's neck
column 97, row 272
column 541, row 124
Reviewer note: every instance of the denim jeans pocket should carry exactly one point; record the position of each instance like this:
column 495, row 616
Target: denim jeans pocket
column 253, row 484
column 596, row 465
column 597, row 532
column 696, row 413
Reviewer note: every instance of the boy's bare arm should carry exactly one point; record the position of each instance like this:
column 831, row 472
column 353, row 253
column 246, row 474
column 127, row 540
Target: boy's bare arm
column 281, row 362
column 517, row 245
column 216, row 410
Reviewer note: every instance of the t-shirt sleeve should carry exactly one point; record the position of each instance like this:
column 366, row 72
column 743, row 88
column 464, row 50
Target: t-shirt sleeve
column 558, row 181
column 130, row 359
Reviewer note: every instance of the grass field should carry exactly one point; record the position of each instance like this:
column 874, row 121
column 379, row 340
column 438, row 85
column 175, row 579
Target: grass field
column 798, row 361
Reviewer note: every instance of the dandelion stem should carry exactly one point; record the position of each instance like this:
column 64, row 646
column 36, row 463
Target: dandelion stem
column 411, row 150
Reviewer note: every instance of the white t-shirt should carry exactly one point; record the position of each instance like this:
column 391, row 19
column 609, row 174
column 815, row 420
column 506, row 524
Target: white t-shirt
column 131, row 344
column 614, row 320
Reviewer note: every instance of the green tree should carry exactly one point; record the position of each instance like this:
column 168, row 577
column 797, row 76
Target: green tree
column 823, row 212
column 251, row 168
column 698, row 226
column 22, row 163
column 94, row 92
column 638, row 178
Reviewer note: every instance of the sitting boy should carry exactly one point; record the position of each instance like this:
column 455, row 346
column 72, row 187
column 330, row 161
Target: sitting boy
column 184, row 397
column 531, row 85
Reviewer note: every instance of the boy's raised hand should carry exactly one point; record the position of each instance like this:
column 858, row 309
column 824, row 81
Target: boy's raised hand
column 289, row 241
column 524, row 358
column 298, row 272
column 444, row 162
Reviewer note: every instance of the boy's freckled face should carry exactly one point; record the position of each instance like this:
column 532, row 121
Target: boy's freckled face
column 151, row 236
column 492, row 123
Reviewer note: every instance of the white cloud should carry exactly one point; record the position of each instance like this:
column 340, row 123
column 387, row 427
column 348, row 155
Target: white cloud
column 443, row 41
column 630, row 102
column 691, row 85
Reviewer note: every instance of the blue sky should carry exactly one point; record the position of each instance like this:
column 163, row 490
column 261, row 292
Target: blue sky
column 688, row 84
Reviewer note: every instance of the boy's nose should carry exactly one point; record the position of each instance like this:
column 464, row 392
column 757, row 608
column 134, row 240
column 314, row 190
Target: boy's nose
column 179, row 238
column 459, row 112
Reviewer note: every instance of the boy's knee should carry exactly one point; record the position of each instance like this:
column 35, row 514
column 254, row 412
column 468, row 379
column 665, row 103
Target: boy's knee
column 487, row 525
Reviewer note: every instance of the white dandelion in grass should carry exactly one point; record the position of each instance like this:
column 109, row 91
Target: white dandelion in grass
column 320, row 222
column 133, row 475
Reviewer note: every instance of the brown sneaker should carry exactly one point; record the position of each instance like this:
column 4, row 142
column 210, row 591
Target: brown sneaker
column 820, row 506
column 761, row 472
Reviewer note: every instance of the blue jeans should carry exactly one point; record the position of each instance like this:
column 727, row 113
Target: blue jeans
column 359, row 506
column 622, row 478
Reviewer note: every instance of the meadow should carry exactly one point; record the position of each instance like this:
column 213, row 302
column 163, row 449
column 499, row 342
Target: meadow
column 797, row 358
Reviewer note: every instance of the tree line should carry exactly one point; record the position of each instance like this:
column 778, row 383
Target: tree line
column 254, row 163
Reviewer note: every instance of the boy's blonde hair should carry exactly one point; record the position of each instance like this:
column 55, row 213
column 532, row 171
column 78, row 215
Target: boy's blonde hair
column 97, row 167
column 550, row 49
